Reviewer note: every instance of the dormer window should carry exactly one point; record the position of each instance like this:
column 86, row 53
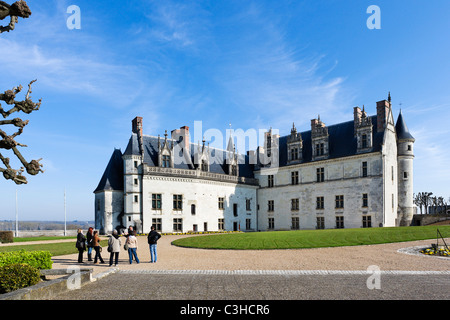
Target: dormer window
column 364, row 141
column 320, row 149
column 234, row 170
column 165, row 161
column 294, row 154
column 204, row 166
column 294, row 145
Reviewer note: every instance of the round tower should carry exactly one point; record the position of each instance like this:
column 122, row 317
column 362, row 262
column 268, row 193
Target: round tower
column 405, row 158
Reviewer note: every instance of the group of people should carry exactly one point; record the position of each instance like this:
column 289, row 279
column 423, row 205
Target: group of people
column 92, row 242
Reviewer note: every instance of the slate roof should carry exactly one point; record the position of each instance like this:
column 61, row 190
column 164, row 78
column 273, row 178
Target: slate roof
column 402, row 129
column 342, row 143
column 217, row 159
column 112, row 178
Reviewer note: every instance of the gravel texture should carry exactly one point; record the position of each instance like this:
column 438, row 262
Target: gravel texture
column 393, row 256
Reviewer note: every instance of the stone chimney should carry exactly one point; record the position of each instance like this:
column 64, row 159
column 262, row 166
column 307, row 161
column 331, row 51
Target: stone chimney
column 357, row 115
column 382, row 114
column 137, row 126
column 182, row 136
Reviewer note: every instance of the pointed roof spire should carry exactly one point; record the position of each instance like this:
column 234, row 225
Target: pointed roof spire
column 402, row 130
column 389, row 97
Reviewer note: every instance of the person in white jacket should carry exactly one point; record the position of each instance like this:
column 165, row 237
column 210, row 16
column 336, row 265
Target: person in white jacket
column 114, row 245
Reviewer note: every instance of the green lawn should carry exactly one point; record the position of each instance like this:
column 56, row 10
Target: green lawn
column 311, row 238
column 56, row 249
column 41, row 238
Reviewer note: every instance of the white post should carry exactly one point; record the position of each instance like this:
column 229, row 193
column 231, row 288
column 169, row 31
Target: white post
column 17, row 218
column 65, row 215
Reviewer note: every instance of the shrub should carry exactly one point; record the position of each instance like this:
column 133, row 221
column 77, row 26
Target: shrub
column 17, row 276
column 6, row 236
column 37, row 259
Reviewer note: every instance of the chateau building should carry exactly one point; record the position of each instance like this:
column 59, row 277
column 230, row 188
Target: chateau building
column 355, row 174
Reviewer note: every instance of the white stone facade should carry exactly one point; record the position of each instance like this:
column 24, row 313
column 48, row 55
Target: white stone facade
column 350, row 175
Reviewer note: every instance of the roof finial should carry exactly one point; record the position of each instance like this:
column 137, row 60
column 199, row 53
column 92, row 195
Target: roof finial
column 389, row 97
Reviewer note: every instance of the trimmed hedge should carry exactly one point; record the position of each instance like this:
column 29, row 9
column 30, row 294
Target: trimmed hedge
column 6, row 237
column 17, row 276
column 37, row 259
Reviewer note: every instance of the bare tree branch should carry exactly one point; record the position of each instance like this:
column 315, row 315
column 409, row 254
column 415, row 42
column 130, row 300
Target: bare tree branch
column 14, row 11
column 8, row 142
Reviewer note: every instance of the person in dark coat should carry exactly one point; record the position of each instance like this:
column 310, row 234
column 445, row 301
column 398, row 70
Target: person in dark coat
column 81, row 245
column 153, row 238
column 90, row 239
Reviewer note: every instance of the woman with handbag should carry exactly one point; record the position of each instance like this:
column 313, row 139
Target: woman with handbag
column 97, row 248
column 114, row 248
column 80, row 245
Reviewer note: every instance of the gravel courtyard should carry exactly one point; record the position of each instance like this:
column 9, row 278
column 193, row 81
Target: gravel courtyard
column 385, row 256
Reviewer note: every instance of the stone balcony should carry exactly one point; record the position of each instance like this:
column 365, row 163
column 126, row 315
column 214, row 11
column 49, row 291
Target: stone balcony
column 198, row 174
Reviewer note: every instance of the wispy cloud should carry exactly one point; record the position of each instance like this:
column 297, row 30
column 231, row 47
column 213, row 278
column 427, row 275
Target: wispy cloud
column 267, row 76
column 117, row 84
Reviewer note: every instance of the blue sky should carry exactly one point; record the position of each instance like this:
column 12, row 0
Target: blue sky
column 254, row 64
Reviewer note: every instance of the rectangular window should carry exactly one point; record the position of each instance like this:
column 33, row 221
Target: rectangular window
column 295, row 204
column 135, row 182
column 392, row 201
column 271, row 223
column 248, row 224
column 320, row 223
column 177, row 224
column 270, row 205
column 339, row 222
column 364, row 141
column 135, row 164
column 177, row 202
column 248, row 204
column 320, row 174
column 235, row 209
column 221, row 224
column 294, row 154
column 320, row 149
column 320, row 202
column 295, row 223
column 157, row 223
column 156, row 201
column 136, row 198
column 270, row 180
column 364, row 169
column 294, row 177
column 221, row 203
column 339, row 202
column 405, row 175
column 367, row 221
column 365, row 200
